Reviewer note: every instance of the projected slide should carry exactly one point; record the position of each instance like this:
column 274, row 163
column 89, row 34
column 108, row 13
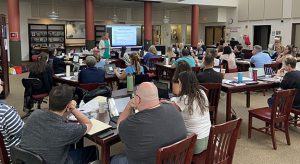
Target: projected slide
column 124, row 35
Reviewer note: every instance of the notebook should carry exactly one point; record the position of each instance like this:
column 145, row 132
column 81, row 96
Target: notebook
column 98, row 127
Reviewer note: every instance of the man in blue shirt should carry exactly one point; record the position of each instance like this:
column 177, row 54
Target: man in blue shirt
column 91, row 74
column 186, row 57
column 259, row 59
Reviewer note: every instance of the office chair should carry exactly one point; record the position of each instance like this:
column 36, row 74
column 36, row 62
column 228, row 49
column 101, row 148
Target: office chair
column 23, row 156
column 29, row 98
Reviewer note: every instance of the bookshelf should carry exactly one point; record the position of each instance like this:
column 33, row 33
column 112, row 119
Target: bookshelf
column 3, row 57
column 100, row 31
column 42, row 37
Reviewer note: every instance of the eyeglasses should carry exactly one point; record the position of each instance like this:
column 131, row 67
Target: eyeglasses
column 135, row 95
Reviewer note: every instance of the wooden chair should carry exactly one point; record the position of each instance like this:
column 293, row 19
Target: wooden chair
column 29, row 98
column 180, row 152
column 275, row 116
column 221, row 144
column 271, row 69
column 91, row 86
column 295, row 119
column 196, row 69
column 214, row 90
column 3, row 153
column 225, row 66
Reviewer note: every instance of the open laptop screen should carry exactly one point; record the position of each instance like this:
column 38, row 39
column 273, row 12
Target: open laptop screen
column 75, row 59
column 117, row 105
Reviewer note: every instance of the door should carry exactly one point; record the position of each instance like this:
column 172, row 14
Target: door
column 262, row 36
column 213, row 34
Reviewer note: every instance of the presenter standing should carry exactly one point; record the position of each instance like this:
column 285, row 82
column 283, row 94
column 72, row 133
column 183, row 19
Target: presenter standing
column 104, row 46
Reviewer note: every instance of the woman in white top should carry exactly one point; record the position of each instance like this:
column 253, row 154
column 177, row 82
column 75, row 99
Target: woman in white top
column 193, row 104
column 229, row 56
column 104, row 46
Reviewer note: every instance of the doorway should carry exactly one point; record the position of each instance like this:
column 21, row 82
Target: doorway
column 262, row 36
column 213, row 34
column 296, row 35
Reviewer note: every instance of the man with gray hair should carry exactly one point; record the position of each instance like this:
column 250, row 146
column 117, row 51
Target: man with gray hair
column 91, row 74
column 259, row 59
column 154, row 126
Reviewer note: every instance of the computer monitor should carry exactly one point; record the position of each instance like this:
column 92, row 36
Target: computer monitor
column 75, row 59
column 76, row 67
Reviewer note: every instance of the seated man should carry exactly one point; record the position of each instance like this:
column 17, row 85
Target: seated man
column 259, row 59
column 154, row 126
column 59, row 64
column 10, row 124
column 209, row 75
column 185, row 56
column 91, row 74
column 48, row 134
column 290, row 80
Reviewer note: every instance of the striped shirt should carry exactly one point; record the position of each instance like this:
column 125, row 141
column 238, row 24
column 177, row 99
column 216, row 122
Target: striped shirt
column 10, row 126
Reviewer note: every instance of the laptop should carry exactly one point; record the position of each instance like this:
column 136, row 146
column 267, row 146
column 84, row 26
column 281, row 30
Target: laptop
column 75, row 59
column 116, row 106
column 163, row 90
column 158, row 53
column 109, row 69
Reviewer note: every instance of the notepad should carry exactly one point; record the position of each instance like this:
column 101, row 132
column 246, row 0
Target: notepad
column 98, row 127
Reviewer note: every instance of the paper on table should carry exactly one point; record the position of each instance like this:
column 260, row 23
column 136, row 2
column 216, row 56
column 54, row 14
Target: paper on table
column 69, row 78
column 93, row 104
column 244, row 78
column 230, row 82
column 98, row 126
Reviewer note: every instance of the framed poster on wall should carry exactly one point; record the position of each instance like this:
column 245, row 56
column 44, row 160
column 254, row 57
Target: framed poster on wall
column 75, row 30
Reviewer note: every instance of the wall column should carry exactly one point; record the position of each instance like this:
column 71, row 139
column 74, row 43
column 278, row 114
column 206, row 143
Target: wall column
column 147, row 24
column 195, row 26
column 89, row 24
column 14, row 32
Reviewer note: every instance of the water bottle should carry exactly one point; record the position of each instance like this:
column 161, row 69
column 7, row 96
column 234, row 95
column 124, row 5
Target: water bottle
column 130, row 83
column 251, row 72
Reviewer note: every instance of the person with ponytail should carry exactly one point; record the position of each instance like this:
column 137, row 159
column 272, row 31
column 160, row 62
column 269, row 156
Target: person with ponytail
column 134, row 68
column 41, row 70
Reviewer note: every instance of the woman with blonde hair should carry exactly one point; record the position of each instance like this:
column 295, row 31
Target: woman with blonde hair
column 134, row 68
column 170, row 53
column 151, row 54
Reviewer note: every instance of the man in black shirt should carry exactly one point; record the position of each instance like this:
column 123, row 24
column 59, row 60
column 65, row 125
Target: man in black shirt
column 155, row 125
column 209, row 75
column 291, row 80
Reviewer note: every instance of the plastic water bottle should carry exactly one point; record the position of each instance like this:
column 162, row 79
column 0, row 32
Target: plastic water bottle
column 250, row 72
column 130, row 83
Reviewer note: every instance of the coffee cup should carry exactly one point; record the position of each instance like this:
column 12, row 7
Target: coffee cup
column 80, row 61
column 223, row 72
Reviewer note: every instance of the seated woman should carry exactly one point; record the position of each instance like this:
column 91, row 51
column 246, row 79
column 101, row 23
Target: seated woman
column 151, row 54
column 91, row 74
column 193, row 104
column 238, row 51
column 134, row 68
column 229, row 56
column 286, row 53
column 170, row 53
column 41, row 70
column 220, row 50
column 181, row 67
column 278, row 51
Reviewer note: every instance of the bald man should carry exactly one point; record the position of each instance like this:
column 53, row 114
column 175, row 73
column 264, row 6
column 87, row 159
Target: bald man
column 154, row 126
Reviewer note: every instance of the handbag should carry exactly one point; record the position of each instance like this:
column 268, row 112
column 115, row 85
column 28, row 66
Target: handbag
column 100, row 91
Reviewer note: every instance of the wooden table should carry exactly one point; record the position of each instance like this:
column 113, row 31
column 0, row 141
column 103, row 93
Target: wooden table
column 106, row 142
column 165, row 72
column 74, row 82
column 229, row 89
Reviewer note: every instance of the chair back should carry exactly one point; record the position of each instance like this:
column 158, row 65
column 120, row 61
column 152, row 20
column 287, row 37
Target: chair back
column 196, row 69
column 180, row 152
column 3, row 153
column 225, row 66
column 91, row 86
column 23, row 156
column 222, row 141
column 138, row 79
column 152, row 62
column 271, row 69
column 283, row 101
column 213, row 96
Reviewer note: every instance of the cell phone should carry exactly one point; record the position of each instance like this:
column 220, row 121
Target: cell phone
column 106, row 133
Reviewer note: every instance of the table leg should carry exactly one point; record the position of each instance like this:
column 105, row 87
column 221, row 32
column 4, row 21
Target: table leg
column 248, row 99
column 228, row 106
column 105, row 154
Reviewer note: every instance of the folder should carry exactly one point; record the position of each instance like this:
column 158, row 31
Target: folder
column 98, row 127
